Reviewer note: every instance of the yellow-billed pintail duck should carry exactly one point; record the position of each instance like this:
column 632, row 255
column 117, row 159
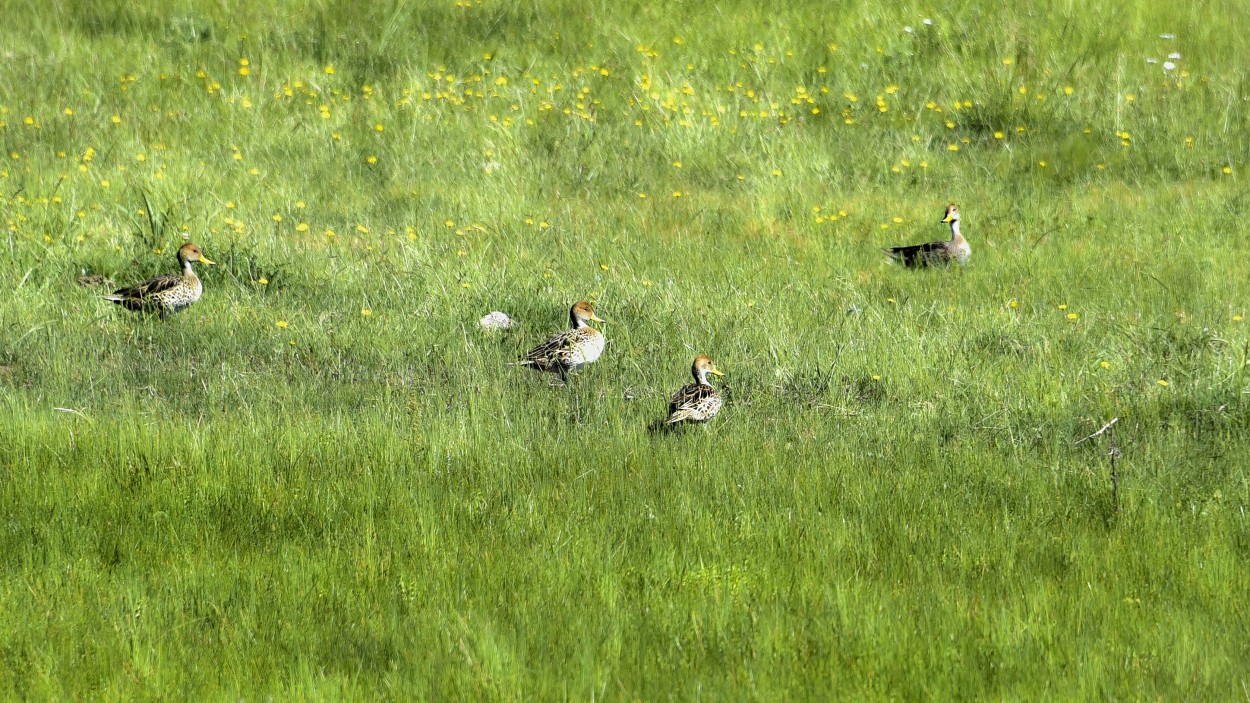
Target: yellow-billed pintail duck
column 165, row 294
column 570, row 349
column 698, row 401
column 934, row 253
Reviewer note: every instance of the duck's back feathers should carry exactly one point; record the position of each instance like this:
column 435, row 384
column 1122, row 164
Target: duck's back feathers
column 546, row 356
column 918, row 255
column 694, row 402
column 148, row 288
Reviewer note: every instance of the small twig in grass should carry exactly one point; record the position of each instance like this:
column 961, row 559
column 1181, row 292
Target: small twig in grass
column 1042, row 236
column 77, row 412
column 147, row 209
column 1115, row 453
column 1163, row 285
column 54, row 190
column 1099, row 432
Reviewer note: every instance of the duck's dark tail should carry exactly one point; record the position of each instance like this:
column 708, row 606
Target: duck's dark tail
column 907, row 255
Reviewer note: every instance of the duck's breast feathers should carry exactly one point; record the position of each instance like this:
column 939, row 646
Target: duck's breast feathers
column 960, row 250
column 587, row 347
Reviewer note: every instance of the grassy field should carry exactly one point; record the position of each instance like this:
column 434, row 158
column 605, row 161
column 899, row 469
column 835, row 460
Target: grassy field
column 323, row 481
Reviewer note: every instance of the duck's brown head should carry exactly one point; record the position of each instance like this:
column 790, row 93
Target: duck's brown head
column 191, row 252
column 581, row 312
column 952, row 214
column 703, row 366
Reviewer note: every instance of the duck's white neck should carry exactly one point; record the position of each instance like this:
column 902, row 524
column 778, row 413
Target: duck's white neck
column 955, row 229
column 700, row 376
column 577, row 322
column 186, row 267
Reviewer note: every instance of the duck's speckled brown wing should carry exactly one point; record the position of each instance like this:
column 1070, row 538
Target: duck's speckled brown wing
column 921, row 254
column 694, row 402
column 552, row 353
column 148, row 294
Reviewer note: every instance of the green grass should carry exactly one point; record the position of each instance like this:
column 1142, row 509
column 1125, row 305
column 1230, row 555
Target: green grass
column 891, row 505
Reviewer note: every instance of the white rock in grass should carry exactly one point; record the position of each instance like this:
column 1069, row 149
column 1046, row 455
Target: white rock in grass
column 496, row 321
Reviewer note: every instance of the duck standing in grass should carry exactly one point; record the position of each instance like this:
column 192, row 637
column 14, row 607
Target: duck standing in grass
column 698, row 401
column 165, row 294
column 570, row 349
column 936, row 253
